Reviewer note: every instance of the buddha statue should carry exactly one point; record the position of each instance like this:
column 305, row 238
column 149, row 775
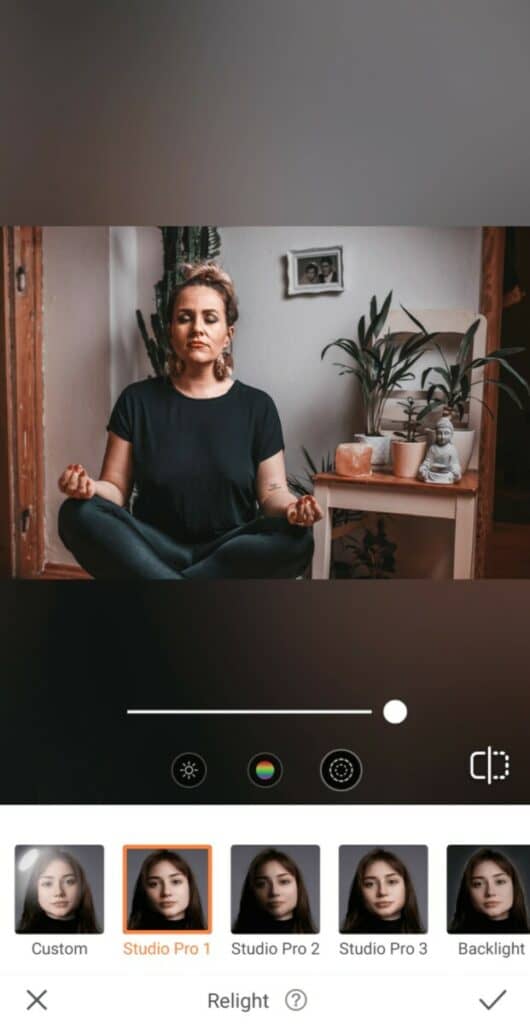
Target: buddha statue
column 441, row 464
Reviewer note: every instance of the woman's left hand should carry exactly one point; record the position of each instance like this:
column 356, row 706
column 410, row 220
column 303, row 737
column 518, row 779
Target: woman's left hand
column 304, row 511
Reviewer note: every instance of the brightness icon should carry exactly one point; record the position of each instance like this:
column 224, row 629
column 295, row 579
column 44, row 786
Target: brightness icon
column 188, row 770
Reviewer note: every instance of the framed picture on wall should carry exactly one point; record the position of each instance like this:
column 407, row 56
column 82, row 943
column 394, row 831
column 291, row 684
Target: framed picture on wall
column 315, row 270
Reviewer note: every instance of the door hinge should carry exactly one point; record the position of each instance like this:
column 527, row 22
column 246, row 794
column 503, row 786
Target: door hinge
column 21, row 279
column 25, row 517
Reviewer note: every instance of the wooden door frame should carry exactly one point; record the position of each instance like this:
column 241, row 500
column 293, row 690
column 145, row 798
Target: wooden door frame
column 21, row 402
column 22, row 510
column 7, row 511
column 491, row 294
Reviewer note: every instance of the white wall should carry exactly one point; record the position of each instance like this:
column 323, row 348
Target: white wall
column 278, row 338
column 76, row 360
column 123, row 288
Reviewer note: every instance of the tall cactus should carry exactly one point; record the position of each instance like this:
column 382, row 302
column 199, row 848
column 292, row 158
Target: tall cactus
column 180, row 245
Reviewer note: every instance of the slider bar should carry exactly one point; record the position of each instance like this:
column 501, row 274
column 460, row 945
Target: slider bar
column 249, row 711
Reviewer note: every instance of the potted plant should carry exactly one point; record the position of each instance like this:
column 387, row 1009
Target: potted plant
column 374, row 555
column 408, row 445
column 451, row 389
column 381, row 365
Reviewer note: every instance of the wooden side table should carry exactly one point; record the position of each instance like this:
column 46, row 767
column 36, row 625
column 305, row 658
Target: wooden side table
column 383, row 492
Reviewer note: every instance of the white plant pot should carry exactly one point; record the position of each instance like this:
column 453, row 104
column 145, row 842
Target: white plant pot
column 407, row 457
column 463, row 440
column 380, row 446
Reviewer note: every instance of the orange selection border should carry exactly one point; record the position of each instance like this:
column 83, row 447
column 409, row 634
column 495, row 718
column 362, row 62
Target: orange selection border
column 169, row 931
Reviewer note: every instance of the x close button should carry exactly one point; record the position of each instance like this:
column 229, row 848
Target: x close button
column 36, row 1000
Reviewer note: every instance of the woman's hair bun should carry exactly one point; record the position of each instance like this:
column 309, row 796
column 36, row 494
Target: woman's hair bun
column 209, row 272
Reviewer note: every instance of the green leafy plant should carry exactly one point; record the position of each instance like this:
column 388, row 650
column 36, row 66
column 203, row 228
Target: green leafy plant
column 381, row 364
column 304, row 485
column 180, row 245
column 452, row 391
column 413, row 416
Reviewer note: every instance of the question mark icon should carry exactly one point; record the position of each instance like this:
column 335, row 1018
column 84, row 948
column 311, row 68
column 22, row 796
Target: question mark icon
column 296, row 999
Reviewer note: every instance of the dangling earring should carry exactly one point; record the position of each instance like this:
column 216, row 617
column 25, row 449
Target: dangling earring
column 175, row 365
column 219, row 367
column 222, row 365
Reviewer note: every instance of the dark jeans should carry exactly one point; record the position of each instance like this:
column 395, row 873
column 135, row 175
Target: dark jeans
column 112, row 545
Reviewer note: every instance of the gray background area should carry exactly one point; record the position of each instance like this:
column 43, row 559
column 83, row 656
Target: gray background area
column 91, row 860
column 197, row 860
column 414, row 858
column 458, row 856
column 352, row 111
column 306, row 857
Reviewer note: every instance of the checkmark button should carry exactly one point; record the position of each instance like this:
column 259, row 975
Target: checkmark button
column 489, row 1006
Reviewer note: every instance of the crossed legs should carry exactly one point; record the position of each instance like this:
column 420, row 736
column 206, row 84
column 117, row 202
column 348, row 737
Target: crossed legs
column 110, row 544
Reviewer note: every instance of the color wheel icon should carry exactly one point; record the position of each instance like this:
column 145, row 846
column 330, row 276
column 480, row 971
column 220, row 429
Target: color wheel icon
column 265, row 770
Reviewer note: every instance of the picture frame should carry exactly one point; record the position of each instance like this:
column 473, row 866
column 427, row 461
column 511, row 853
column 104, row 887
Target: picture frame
column 311, row 271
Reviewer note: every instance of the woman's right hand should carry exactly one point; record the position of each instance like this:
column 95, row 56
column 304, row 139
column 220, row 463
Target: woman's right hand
column 76, row 483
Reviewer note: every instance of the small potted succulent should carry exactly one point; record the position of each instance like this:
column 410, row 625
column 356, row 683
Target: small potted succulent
column 408, row 445
column 381, row 364
column 450, row 387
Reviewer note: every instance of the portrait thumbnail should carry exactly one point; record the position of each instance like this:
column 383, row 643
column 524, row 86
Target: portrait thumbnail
column 58, row 890
column 167, row 889
column 275, row 890
column 488, row 889
column 383, row 890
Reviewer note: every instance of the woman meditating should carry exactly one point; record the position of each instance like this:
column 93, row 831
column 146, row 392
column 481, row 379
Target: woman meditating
column 203, row 451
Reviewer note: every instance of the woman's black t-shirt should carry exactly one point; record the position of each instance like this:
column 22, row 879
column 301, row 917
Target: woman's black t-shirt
column 481, row 924
column 370, row 924
column 44, row 925
column 153, row 922
column 266, row 924
column 195, row 459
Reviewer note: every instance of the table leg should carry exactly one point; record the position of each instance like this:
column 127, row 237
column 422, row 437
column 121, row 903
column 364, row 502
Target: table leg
column 322, row 537
column 464, row 537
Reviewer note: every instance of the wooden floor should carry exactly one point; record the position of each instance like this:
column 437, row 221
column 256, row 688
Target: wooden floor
column 508, row 552
column 507, row 555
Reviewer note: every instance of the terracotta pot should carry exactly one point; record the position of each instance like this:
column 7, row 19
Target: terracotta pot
column 380, row 445
column 407, row 457
column 353, row 459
